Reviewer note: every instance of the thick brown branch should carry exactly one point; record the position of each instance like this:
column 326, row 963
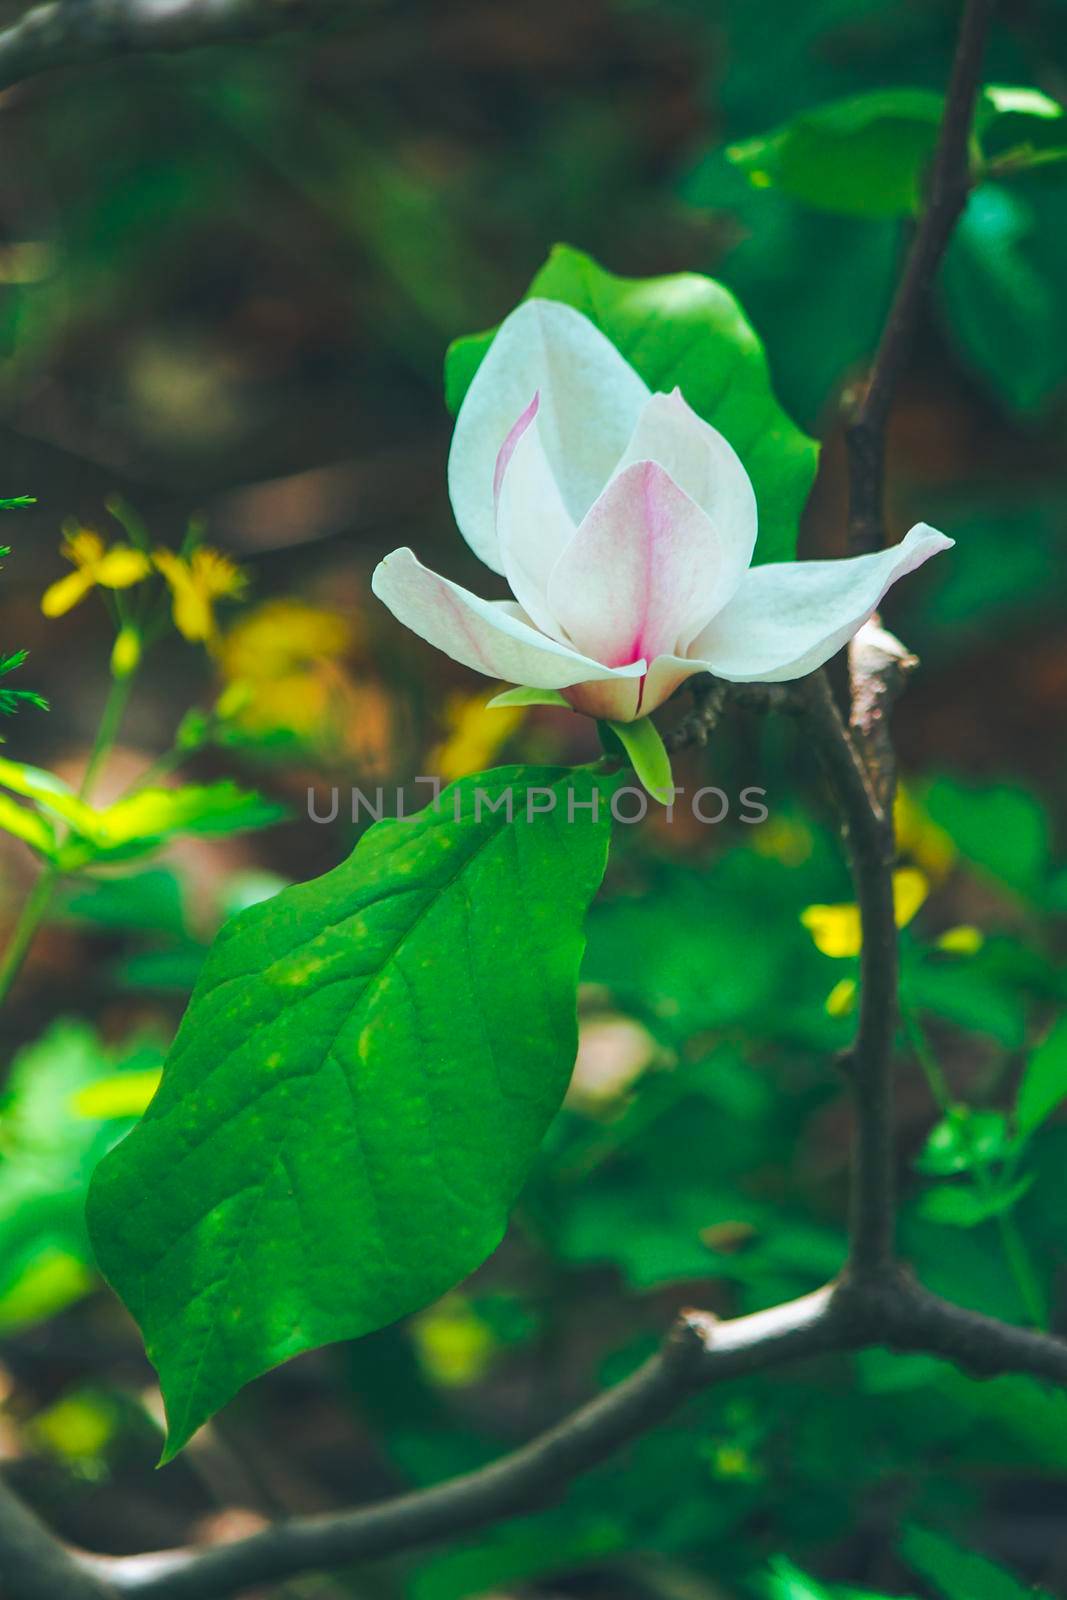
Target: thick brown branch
column 65, row 33
column 950, row 182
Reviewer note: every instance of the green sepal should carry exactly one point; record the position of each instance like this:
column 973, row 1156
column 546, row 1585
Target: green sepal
column 647, row 754
column 526, row 697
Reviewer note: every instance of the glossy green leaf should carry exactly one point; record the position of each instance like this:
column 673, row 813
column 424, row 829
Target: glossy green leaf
column 366, row 1069
column 868, row 155
column 864, row 156
column 1044, row 1082
column 689, row 331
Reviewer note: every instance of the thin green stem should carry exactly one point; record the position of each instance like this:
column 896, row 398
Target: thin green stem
column 1015, row 1252
column 40, row 896
column 30, row 918
column 110, row 722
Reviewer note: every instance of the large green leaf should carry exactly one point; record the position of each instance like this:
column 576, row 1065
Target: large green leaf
column 684, row 330
column 863, row 157
column 868, row 155
column 366, row 1069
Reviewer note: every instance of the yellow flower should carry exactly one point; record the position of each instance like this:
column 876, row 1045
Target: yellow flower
column 280, row 637
column 195, row 584
column 836, row 930
column 474, row 734
column 284, row 671
column 95, row 563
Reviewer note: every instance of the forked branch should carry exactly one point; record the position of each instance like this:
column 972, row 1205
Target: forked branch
column 875, row 1302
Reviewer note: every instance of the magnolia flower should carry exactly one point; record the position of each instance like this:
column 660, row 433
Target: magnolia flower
column 625, row 527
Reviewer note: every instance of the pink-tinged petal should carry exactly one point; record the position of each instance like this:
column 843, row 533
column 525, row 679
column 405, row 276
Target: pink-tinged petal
column 590, row 400
column 532, row 523
column 636, row 578
column 612, row 700
column 786, row 619
column 627, row 701
column 704, row 464
column 489, row 636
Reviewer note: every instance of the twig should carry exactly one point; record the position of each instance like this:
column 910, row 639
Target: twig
column 65, row 33
column 868, row 833
column 950, row 183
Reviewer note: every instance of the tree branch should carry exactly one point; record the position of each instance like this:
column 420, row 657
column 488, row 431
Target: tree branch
column 699, row 1351
column 891, row 1311
column 868, row 831
column 65, row 33
column 34, row 1565
column 950, row 183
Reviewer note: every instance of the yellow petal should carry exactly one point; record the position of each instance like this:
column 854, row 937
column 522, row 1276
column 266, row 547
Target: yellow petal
column 835, row 929
column 83, row 547
column 910, row 889
column 193, row 616
column 121, row 566
column 962, row 941
column 59, row 597
column 921, row 838
column 215, row 575
column 842, row 998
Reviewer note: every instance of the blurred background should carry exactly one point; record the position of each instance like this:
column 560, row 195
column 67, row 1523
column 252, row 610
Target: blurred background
column 227, row 282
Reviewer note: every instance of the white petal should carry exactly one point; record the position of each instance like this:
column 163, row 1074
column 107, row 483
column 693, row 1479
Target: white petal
column 638, row 577
column 532, row 523
column 486, row 635
column 787, row 618
column 708, row 468
column 590, row 401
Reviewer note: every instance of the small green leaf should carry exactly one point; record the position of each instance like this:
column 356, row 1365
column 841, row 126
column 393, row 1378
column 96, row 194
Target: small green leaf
column 1044, row 1082
column 966, row 1140
column 366, row 1069
column 957, row 1206
column 27, row 825
column 689, row 331
column 527, row 697
column 648, row 756
column 47, row 791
